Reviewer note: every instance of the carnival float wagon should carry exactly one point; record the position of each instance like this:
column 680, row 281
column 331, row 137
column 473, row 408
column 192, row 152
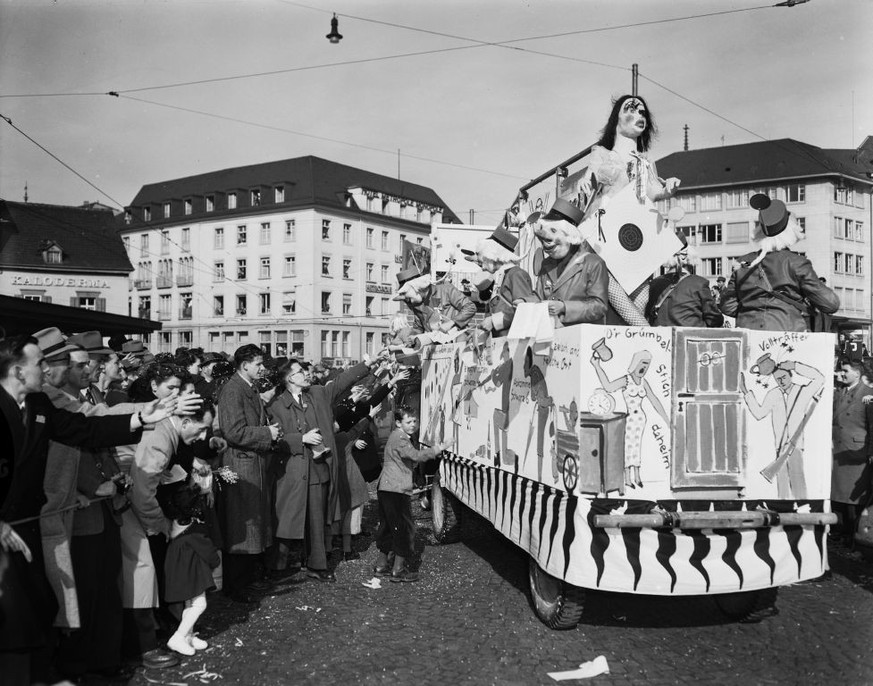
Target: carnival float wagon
column 664, row 461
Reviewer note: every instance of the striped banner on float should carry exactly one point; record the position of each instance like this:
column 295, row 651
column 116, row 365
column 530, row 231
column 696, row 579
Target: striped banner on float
column 557, row 530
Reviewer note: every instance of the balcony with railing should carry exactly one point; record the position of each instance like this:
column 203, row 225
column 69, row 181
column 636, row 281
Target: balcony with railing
column 164, row 281
column 145, row 312
column 142, row 284
column 186, row 312
column 163, row 315
column 185, row 280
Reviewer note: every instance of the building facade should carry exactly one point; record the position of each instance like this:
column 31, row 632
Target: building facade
column 63, row 255
column 298, row 256
column 829, row 191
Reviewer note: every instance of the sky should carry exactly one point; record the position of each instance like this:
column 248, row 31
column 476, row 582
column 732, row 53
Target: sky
column 471, row 120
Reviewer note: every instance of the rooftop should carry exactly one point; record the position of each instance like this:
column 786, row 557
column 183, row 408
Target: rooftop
column 87, row 239
column 765, row 161
column 306, row 181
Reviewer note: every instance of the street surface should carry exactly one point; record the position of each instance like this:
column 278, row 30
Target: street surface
column 469, row 620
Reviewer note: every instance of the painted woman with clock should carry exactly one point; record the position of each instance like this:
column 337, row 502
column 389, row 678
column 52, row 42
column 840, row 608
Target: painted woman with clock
column 634, row 389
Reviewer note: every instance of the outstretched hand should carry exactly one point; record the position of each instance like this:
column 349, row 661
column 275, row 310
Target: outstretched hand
column 11, row 542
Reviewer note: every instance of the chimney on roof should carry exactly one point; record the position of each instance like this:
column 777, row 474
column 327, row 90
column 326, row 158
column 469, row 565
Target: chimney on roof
column 685, row 147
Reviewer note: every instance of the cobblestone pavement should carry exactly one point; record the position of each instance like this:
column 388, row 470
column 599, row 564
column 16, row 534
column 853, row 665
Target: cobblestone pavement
column 469, row 620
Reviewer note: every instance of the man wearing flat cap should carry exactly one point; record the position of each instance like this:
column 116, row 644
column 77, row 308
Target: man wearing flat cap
column 775, row 288
column 573, row 280
column 435, row 306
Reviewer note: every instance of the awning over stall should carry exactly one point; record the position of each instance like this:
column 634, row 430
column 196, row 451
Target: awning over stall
column 18, row 316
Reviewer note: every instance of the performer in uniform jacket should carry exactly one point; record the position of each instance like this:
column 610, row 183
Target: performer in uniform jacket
column 681, row 298
column 435, row 306
column 773, row 288
column 511, row 283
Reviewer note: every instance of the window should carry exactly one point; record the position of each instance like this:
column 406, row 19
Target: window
column 53, row 255
column 290, row 230
column 795, row 193
column 710, row 202
column 279, row 194
column 186, row 309
column 369, row 344
column 210, row 203
column 325, row 301
column 264, row 303
column 709, row 233
column 241, row 304
column 738, row 198
column 146, row 214
column 370, row 234
column 848, row 234
column 265, row 268
column 769, row 191
column 838, row 227
column 838, row 263
column 335, row 340
column 347, row 350
column 402, row 240
column 859, row 265
column 736, row 232
column 265, row 233
column 297, row 343
column 325, row 229
column 369, row 271
column 145, row 307
column 290, row 267
column 188, row 207
column 289, row 303
column 165, row 341
column 241, row 235
column 281, row 344
column 186, row 239
column 859, row 231
column 256, row 198
column 218, row 239
column 325, row 344
column 325, row 265
column 165, row 304
column 186, row 271
column 231, row 201
column 218, row 305
column 688, row 202
column 368, row 309
column 126, row 241
column 165, row 242
column 384, row 240
column 266, row 343
column 166, row 210
column 419, row 240
column 850, row 264
column 383, row 273
column 386, row 306
column 347, row 234
column 710, row 266
column 802, row 223
column 347, row 265
column 347, row 303
column 241, row 269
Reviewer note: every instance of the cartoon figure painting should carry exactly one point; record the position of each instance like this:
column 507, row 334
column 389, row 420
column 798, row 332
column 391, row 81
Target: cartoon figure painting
column 539, row 394
column 634, row 389
column 789, row 406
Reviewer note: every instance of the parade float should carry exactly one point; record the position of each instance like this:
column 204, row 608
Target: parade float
column 664, row 461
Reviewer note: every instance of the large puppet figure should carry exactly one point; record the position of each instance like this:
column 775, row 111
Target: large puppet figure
column 619, row 159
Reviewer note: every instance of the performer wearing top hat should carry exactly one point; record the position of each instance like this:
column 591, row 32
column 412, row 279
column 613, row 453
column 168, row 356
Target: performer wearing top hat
column 511, row 283
column 435, row 306
column 773, row 288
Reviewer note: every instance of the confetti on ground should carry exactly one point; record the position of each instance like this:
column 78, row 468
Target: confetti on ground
column 375, row 582
column 238, row 643
column 306, row 608
column 586, row 670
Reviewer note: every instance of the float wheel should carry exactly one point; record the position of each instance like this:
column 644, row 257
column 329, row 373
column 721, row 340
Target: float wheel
column 748, row 607
column 559, row 605
column 570, row 469
column 445, row 513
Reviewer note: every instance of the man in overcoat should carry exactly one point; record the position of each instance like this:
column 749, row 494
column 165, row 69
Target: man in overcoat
column 28, row 420
column 246, row 504
column 306, row 491
column 850, row 478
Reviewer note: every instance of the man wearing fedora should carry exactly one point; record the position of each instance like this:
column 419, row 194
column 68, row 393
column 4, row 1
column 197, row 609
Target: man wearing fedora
column 573, row 280
column 92, row 343
column 773, row 289
column 435, row 306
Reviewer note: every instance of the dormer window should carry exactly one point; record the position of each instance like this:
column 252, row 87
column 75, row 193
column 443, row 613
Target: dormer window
column 146, row 214
column 210, row 203
column 256, row 198
column 189, row 206
column 166, row 210
column 52, row 253
column 279, row 195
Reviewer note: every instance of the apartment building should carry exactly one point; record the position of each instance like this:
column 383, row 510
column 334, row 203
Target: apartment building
column 298, row 256
column 828, row 190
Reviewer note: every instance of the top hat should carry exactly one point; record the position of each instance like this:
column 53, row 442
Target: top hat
column 504, row 238
column 772, row 214
column 53, row 344
column 408, row 275
column 92, row 342
column 562, row 209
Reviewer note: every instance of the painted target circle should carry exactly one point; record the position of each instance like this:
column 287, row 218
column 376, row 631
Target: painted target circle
column 630, row 237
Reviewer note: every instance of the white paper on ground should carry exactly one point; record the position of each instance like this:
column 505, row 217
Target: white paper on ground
column 586, row 670
column 375, row 582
